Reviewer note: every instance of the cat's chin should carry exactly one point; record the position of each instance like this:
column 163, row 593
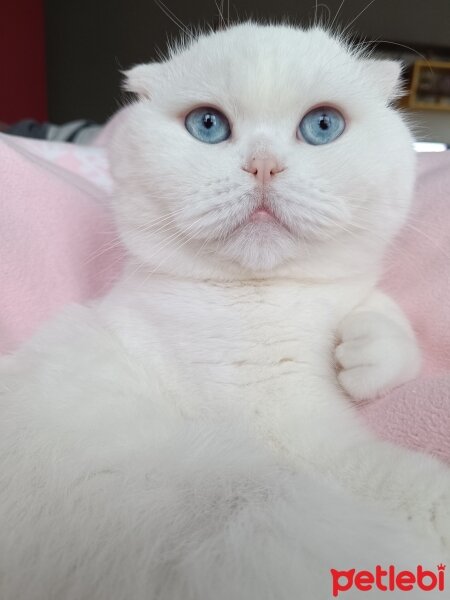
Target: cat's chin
column 260, row 244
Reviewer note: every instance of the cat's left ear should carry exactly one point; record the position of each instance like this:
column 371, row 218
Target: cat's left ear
column 385, row 75
column 141, row 79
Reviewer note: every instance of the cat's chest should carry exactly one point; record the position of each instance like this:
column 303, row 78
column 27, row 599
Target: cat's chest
column 256, row 332
column 238, row 341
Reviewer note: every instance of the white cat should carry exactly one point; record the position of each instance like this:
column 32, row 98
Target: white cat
column 191, row 436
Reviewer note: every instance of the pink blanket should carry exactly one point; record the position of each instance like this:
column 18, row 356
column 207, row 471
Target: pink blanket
column 57, row 245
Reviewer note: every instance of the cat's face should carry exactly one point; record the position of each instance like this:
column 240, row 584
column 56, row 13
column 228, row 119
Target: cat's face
column 262, row 149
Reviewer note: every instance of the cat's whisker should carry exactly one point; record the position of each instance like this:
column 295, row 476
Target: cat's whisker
column 346, row 28
column 219, row 10
column 186, row 241
column 336, row 15
column 172, row 16
column 155, row 222
column 176, row 236
column 428, row 238
column 304, row 244
column 162, row 246
column 218, row 235
column 115, row 243
column 157, row 227
column 411, row 219
column 131, row 273
column 318, row 20
column 409, row 224
column 369, row 230
column 199, row 251
column 413, row 50
column 172, row 238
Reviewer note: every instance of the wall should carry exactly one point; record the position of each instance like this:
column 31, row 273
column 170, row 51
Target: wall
column 22, row 60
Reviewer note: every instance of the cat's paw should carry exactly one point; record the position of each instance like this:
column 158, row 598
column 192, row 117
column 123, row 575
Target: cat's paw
column 374, row 354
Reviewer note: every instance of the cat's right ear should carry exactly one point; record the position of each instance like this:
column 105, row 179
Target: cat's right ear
column 141, row 79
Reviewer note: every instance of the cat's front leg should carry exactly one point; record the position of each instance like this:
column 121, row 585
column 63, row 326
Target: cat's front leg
column 377, row 349
column 412, row 485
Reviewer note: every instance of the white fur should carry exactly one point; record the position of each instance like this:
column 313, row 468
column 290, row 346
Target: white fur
column 377, row 350
column 188, row 437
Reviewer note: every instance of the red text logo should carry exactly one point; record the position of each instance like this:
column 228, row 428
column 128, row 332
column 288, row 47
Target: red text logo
column 388, row 580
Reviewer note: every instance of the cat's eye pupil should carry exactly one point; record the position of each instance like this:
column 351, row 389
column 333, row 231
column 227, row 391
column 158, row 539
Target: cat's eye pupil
column 324, row 122
column 209, row 121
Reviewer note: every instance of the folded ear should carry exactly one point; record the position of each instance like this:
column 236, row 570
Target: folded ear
column 141, row 79
column 385, row 74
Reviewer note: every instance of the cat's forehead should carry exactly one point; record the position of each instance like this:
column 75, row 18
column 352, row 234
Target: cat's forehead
column 253, row 67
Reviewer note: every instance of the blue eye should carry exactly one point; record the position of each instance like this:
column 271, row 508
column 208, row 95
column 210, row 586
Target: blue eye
column 321, row 125
column 208, row 125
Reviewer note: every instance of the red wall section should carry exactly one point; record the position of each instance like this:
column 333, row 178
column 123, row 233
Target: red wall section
column 22, row 60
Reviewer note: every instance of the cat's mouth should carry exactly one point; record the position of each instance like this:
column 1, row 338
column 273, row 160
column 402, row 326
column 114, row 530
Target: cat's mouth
column 263, row 214
column 255, row 214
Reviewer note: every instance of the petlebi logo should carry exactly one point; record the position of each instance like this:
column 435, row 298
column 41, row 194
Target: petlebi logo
column 388, row 580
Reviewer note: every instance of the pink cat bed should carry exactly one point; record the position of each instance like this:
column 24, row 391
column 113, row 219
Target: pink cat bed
column 57, row 245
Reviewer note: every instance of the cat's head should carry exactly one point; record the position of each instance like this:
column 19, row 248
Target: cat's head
column 262, row 150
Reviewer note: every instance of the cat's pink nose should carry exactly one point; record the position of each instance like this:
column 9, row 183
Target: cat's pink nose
column 264, row 168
